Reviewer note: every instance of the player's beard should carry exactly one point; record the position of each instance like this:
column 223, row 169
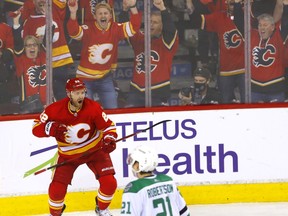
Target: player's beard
column 77, row 104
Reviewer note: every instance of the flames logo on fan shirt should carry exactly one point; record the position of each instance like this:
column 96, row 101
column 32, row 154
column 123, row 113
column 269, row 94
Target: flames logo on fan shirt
column 37, row 75
column 96, row 53
column 140, row 62
column 232, row 39
column 263, row 56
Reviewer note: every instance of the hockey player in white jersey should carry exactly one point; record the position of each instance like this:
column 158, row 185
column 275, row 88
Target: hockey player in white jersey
column 151, row 194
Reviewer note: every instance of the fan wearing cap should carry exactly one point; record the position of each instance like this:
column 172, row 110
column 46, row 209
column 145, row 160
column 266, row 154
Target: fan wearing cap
column 150, row 194
column 200, row 93
column 85, row 134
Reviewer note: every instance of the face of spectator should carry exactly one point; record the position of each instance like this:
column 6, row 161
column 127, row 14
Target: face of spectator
column 265, row 28
column 156, row 25
column 31, row 49
column 103, row 17
column 40, row 6
column 200, row 84
column 200, row 79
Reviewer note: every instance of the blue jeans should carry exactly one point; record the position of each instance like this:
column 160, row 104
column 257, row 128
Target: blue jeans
column 227, row 84
column 105, row 90
column 257, row 97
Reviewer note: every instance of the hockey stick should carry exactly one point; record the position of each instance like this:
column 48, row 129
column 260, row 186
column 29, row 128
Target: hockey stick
column 55, row 146
column 86, row 153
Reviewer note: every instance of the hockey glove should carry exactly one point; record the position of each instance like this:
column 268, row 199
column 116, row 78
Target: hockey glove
column 56, row 130
column 108, row 142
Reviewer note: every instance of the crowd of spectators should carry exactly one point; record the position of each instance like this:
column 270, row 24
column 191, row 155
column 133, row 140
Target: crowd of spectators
column 86, row 35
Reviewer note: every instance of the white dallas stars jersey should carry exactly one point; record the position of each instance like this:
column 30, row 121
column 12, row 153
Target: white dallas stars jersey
column 151, row 196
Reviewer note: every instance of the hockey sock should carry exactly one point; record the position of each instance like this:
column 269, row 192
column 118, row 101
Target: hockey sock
column 108, row 185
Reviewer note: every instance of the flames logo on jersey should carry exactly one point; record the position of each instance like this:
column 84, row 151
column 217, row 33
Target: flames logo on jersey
column 140, row 62
column 100, row 54
column 263, row 56
column 37, row 75
column 77, row 133
column 232, row 39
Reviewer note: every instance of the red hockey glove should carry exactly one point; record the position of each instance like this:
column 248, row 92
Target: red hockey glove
column 108, row 142
column 56, row 130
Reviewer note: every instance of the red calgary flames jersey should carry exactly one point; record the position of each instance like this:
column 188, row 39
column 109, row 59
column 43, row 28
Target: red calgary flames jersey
column 35, row 25
column 267, row 66
column 230, row 41
column 85, row 128
column 161, row 61
column 32, row 74
column 99, row 46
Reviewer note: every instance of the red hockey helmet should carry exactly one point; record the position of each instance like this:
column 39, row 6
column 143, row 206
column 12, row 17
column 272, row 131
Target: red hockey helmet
column 74, row 84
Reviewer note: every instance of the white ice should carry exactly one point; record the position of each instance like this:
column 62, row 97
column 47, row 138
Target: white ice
column 235, row 209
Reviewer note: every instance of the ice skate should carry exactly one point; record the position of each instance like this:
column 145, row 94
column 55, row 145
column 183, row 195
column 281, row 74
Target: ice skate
column 104, row 212
column 99, row 212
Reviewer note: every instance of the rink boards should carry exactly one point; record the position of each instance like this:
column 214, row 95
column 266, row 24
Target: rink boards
column 215, row 156
column 205, row 194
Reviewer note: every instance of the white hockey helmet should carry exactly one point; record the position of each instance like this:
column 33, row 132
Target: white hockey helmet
column 145, row 156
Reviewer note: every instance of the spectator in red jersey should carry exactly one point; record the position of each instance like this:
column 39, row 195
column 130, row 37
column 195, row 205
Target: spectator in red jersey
column 35, row 25
column 267, row 55
column 87, row 14
column 30, row 61
column 231, row 44
column 164, row 44
column 85, row 135
column 99, row 47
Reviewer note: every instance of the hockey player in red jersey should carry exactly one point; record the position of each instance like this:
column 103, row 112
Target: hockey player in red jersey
column 85, row 133
column 99, row 48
